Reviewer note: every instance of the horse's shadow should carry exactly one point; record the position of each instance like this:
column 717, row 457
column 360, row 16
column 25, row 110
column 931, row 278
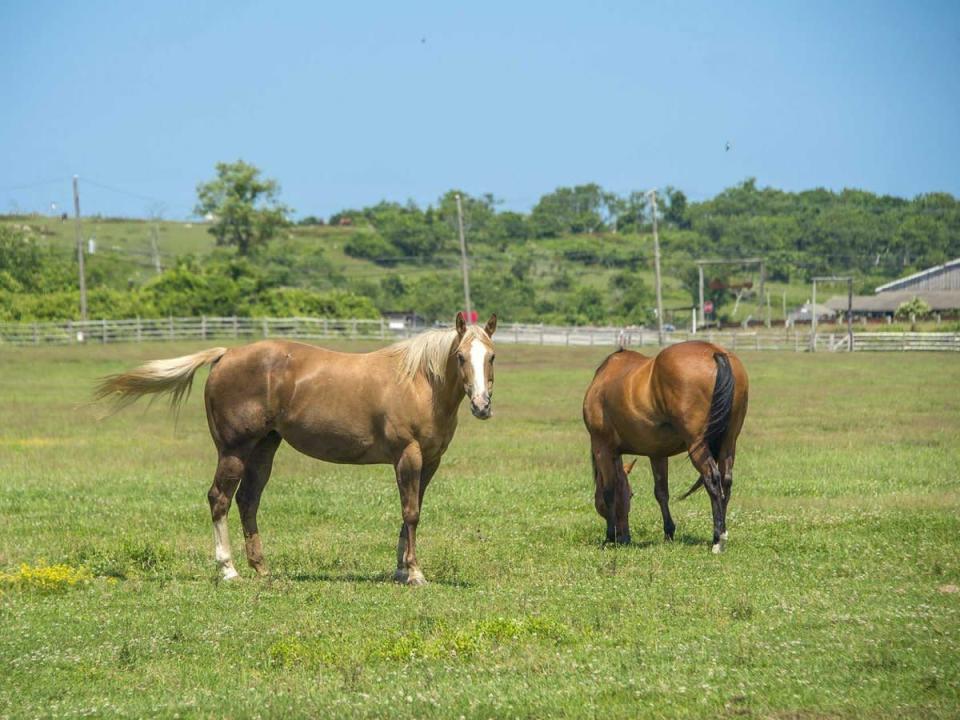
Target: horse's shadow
column 375, row 578
column 654, row 540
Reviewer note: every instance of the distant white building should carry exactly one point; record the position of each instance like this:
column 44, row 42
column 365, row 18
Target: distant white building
column 940, row 277
column 938, row 286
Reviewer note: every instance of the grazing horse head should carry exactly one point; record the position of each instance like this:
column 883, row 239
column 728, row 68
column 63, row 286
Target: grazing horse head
column 475, row 355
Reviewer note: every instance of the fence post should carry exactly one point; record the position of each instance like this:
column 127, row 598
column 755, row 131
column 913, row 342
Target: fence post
column 516, row 333
column 541, row 333
column 139, row 330
column 203, row 327
column 567, row 333
column 36, row 336
column 170, row 320
column 234, row 327
column 265, row 331
column 382, row 330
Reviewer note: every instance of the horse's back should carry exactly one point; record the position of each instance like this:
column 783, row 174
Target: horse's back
column 323, row 402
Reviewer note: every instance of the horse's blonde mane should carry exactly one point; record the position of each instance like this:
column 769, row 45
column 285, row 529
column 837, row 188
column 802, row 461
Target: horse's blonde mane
column 428, row 352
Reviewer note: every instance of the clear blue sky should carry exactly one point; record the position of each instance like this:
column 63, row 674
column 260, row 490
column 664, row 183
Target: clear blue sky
column 349, row 103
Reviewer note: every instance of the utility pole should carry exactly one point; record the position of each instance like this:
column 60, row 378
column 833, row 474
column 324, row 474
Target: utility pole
column 79, row 234
column 463, row 258
column 155, row 249
column 813, row 318
column 700, row 273
column 850, row 314
column 656, row 266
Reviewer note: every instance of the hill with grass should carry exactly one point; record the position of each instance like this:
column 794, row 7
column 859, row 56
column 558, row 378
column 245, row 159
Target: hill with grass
column 581, row 256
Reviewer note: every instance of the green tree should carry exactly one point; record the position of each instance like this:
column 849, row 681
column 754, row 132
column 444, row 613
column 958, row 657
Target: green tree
column 244, row 206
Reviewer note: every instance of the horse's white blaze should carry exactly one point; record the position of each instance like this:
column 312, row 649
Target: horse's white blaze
column 478, row 354
column 221, row 543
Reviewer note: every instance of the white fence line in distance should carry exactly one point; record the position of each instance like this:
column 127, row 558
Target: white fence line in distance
column 245, row 328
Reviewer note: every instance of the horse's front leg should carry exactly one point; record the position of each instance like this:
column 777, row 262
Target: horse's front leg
column 409, row 469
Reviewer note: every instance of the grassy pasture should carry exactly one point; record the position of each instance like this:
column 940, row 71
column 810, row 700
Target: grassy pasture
column 836, row 596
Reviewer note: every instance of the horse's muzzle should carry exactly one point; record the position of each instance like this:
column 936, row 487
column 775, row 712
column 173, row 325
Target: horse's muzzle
column 482, row 409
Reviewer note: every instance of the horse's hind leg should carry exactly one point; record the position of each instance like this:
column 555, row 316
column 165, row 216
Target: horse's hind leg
column 709, row 470
column 661, row 491
column 726, row 480
column 230, row 470
column 256, row 474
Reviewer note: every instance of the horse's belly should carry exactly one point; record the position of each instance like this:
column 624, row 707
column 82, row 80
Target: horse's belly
column 338, row 446
column 652, row 441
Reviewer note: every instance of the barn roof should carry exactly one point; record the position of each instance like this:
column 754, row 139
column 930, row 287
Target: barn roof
column 938, row 300
column 918, row 275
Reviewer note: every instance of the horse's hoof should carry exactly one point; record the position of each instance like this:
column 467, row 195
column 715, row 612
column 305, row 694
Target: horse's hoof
column 229, row 574
column 623, row 540
column 411, row 578
column 717, row 548
column 723, row 536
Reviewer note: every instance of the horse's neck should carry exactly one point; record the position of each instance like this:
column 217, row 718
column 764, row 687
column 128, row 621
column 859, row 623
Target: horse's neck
column 448, row 394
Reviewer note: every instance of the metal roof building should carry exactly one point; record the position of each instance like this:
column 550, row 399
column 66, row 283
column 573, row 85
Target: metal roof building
column 886, row 303
column 941, row 277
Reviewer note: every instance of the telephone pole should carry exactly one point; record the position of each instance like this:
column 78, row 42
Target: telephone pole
column 652, row 194
column 463, row 258
column 155, row 249
column 79, row 234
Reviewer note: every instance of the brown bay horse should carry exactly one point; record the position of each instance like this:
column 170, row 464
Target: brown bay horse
column 692, row 397
column 397, row 405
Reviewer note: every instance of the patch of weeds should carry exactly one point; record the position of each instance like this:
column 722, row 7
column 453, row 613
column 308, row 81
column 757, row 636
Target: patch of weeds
column 101, row 562
column 444, row 641
column 126, row 657
column 289, row 652
column 742, row 608
column 446, row 570
column 147, row 557
column 881, row 660
column 46, row 579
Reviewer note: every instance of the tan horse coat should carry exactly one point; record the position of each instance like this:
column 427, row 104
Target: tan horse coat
column 397, row 405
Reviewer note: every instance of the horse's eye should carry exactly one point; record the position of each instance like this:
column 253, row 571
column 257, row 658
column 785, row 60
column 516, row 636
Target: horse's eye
column 460, row 358
column 492, row 358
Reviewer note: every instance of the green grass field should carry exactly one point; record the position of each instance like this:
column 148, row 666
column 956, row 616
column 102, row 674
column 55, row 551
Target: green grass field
column 836, row 596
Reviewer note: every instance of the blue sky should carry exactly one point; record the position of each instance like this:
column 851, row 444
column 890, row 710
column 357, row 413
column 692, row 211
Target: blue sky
column 350, row 103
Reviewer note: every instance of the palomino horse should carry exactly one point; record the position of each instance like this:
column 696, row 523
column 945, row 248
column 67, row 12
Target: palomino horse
column 396, row 405
column 691, row 398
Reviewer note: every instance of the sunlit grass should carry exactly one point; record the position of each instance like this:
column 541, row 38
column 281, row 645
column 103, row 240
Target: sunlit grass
column 830, row 599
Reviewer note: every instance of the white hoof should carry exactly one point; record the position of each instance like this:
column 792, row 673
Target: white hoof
column 717, row 548
column 412, row 577
column 229, row 573
column 724, row 535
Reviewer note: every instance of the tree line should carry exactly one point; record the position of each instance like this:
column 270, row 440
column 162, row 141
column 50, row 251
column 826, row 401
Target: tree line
column 532, row 266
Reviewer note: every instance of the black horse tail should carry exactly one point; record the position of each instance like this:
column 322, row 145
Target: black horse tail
column 720, row 408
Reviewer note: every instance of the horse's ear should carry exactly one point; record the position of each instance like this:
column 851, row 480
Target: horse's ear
column 491, row 325
column 461, row 324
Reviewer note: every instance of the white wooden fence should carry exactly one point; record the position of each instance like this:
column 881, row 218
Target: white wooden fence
column 243, row 328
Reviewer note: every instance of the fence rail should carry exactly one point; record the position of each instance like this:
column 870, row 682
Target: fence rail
column 243, row 328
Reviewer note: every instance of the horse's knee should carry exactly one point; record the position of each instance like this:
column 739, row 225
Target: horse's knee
column 219, row 502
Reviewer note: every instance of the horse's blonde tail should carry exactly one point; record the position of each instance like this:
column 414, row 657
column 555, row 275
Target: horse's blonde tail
column 173, row 376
